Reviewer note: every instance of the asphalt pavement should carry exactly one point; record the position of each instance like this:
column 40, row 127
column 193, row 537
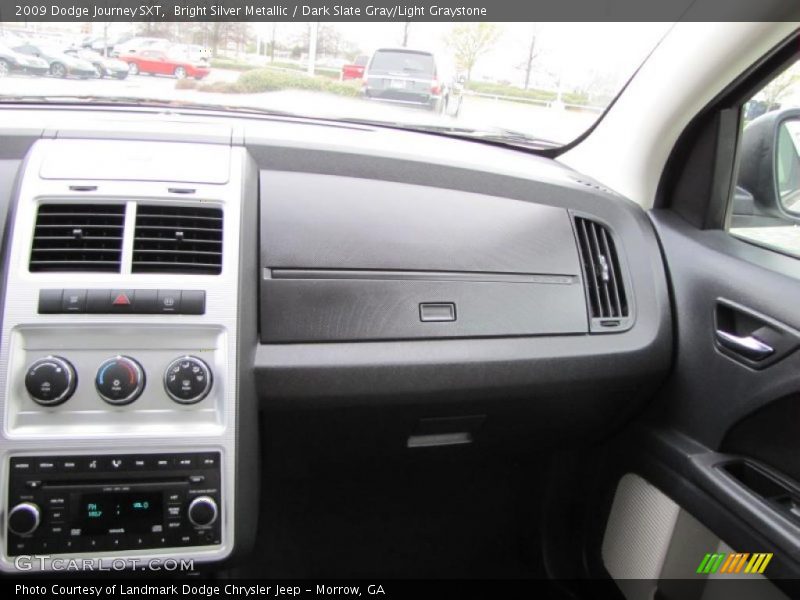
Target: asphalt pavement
column 559, row 125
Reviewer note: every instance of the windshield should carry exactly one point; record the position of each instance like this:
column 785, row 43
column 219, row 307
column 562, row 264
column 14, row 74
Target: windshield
column 520, row 83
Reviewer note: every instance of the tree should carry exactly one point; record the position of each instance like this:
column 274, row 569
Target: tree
column 469, row 42
column 776, row 89
column 533, row 52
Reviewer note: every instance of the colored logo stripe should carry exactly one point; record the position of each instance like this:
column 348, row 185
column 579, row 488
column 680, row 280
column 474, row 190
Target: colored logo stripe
column 734, row 563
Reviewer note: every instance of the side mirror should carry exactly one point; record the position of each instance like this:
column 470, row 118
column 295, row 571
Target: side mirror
column 769, row 169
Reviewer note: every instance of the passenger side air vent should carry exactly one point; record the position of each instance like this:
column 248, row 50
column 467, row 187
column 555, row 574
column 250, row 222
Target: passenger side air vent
column 78, row 237
column 605, row 289
column 177, row 239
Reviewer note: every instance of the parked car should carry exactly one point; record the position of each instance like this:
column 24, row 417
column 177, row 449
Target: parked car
column 59, row 63
column 355, row 70
column 106, row 66
column 157, row 62
column 192, row 52
column 12, row 61
column 105, row 44
column 404, row 76
column 139, row 44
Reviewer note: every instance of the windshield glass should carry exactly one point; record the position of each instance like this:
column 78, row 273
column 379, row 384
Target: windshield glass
column 521, row 83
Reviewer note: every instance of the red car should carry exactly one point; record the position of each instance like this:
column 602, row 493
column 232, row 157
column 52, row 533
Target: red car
column 356, row 69
column 158, row 62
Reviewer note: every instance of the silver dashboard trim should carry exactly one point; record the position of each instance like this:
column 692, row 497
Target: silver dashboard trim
column 112, row 435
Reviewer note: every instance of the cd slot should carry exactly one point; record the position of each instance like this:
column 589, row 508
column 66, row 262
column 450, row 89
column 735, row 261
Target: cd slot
column 137, row 483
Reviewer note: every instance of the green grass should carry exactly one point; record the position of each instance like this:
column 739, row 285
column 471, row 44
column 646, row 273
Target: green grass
column 256, row 81
column 580, row 98
column 231, row 64
column 239, row 65
column 323, row 71
column 267, row 80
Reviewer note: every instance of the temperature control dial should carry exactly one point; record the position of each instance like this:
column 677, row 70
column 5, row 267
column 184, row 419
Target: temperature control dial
column 120, row 380
column 187, row 380
column 51, row 380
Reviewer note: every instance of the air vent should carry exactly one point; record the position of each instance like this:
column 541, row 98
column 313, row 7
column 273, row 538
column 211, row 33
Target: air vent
column 78, row 237
column 605, row 290
column 177, row 239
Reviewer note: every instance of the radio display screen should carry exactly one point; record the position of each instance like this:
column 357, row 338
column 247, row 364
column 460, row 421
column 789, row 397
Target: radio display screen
column 118, row 512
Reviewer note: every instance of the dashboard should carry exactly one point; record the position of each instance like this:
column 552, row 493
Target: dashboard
column 173, row 280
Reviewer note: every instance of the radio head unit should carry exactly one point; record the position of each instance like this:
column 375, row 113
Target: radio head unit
column 69, row 504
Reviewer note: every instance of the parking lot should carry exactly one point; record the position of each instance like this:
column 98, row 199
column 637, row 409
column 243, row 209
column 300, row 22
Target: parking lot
column 559, row 125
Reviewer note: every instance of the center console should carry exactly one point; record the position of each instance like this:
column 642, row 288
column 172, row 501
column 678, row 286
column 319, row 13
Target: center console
column 119, row 363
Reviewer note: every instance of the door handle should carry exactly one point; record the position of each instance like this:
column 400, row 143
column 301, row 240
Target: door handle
column 747, row 346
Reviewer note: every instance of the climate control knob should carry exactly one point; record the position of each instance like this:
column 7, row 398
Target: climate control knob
column 51, row 380
column 24, row 518
column 187, row 380
column 120, row 380
column 202, row 511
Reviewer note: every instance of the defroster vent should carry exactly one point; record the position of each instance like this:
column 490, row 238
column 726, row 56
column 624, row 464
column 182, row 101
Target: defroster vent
column 605, row 288
column 78, row 237
column 177, row 239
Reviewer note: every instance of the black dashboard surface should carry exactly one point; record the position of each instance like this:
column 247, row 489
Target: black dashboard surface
column 458, row 221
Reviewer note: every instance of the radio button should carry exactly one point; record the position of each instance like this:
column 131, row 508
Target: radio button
column 21, row 465
column 46, row 466
column 208, row 460
column 56, row 515
column 43, row 546
column 24, row 518
column 184, row 462
column 57, row 502
column 202, row 511
column 69, row 465
column 116, row 464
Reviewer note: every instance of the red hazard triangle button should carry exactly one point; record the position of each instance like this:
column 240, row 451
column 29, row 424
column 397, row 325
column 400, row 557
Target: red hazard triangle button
column 121, row 300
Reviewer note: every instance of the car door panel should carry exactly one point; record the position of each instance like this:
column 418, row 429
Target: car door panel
column 719, row 439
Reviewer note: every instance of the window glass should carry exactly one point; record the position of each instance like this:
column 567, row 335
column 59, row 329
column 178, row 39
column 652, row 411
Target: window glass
column 766, row 203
